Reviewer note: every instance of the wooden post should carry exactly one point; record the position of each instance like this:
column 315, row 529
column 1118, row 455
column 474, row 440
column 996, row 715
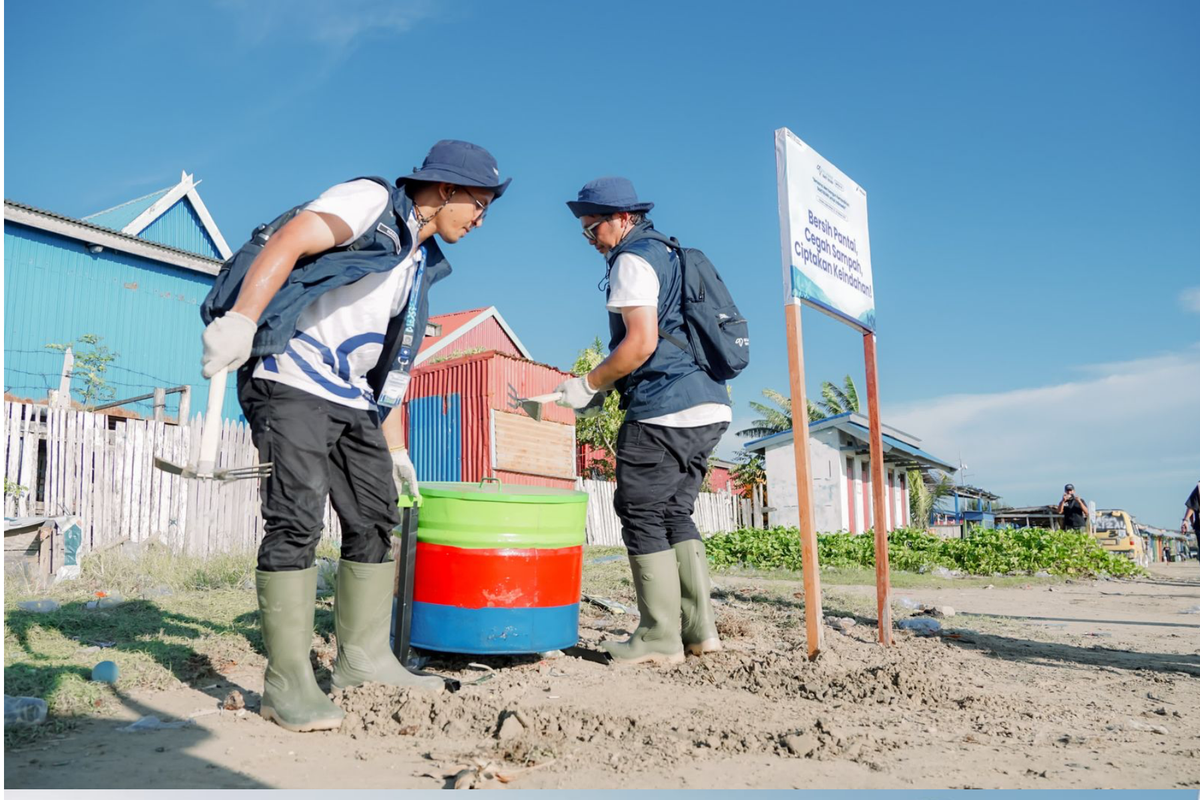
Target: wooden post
column 64, row 380
column 160, row 403
column 185, row 405
column 813, row 617
column 883, row 586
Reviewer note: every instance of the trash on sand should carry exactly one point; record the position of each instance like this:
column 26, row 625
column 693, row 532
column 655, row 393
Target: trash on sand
column 484, row 774
column 606, row 559
column 38, row 606
column 233, row 701
column 1099, row 634
column 24, row 711
column 840, row 624
column 921, row 626
column 1192, row 610
column 611, row 606
column 105, row 672
column 154, row 724
column 552, row 654
column 909, row 603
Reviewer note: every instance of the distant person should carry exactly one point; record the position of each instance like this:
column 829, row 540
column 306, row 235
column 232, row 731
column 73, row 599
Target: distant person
column 1073, row 509
column 1191, row 515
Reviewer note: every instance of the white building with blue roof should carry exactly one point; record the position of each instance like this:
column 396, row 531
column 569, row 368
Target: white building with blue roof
column 839, row 451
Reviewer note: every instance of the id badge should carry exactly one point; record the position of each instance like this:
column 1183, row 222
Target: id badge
column 394, row 388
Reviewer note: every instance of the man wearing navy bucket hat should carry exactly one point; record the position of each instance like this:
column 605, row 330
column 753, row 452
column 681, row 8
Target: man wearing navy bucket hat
column 322, row 313
column 675, row 414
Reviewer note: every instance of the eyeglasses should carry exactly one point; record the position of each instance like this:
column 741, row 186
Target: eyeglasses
column 589, row 231
column 481, row 210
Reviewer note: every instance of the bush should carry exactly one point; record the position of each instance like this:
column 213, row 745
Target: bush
column 983, row 552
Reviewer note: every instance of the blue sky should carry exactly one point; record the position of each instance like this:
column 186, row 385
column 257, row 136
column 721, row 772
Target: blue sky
column 1031, row 171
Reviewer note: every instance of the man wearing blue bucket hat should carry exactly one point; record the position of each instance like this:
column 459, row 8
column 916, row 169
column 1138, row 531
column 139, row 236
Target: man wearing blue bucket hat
column 323, row 312
column 675, row 414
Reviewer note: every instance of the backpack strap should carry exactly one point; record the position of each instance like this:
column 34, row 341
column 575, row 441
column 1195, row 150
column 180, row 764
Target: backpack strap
column 673, row 244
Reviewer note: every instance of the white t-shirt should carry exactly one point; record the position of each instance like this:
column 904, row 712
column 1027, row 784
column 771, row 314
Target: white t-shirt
column 339, row 337
column 632, row 283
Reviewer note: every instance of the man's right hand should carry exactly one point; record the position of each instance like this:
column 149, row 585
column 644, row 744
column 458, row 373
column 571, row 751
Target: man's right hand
column 227, row 343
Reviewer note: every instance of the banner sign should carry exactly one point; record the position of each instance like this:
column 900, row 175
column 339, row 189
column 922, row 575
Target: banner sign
column 823, row 224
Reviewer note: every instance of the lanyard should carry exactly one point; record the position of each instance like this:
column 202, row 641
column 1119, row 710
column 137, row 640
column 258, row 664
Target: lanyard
column 396, row 384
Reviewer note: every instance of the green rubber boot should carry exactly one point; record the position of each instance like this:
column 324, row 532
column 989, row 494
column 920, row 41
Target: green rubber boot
column 291, row 696
column 699, row 623
column 362, row 612
column 656, row 581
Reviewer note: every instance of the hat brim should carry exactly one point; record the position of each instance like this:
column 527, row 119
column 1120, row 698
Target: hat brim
column 437, row 175
column 584, row 209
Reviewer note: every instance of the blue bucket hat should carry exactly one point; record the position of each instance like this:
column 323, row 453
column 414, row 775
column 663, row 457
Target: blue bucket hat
column 607, row 196
column 460, row 163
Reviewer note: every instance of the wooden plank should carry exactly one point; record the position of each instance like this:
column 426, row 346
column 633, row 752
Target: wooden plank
column 883, row 587
column 11, row 453
column 813, row 617
column 28, row 473
column 534, row 448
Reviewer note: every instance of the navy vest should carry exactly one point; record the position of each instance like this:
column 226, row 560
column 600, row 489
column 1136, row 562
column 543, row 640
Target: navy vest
column 670, row 380
column 382, row 248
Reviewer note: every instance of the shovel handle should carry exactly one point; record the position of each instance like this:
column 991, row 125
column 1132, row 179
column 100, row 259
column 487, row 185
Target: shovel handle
column 212, row 424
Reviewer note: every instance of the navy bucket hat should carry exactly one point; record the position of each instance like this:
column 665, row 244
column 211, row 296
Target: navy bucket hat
column 460, row 163
column 607, row 196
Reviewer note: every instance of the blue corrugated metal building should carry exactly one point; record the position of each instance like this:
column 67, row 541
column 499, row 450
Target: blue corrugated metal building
column 134, row 275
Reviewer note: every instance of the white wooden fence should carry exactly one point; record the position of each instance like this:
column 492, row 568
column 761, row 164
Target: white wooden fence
column 101, row 469
column 715, row 512
column 61, row 461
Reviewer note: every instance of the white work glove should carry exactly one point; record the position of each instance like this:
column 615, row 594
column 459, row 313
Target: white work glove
column 227, row 342
column 592, row 409
column 404, row 474
column 576, row 393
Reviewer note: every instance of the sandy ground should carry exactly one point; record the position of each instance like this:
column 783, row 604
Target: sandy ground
column 1071, row 685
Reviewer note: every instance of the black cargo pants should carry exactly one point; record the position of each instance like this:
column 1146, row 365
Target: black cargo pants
column 319, row 450
column 659, row 474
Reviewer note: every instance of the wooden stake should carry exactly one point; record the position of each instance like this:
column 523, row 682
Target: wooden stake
column 813, row 615
column 883, row 585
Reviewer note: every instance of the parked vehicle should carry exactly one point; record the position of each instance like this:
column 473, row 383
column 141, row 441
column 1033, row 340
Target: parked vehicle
column 1117, row 531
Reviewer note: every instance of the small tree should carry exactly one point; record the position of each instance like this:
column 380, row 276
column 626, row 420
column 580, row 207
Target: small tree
column 922, row 498
column 601, row 430
column 90, row 365
column 749, row 472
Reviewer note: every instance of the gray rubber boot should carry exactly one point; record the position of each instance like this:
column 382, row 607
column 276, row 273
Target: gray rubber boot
column 699, row 622
column 362, row 612
column 291, row 696
column 656, row 581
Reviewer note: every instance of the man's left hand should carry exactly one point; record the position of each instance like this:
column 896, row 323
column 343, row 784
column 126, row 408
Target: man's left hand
column 576, row 393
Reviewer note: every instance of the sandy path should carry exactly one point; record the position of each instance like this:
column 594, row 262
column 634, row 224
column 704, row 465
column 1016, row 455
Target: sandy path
column 1026, row 696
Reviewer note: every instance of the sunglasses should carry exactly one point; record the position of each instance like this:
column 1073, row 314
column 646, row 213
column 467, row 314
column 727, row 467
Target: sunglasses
column 589, row 231
column 481, row 209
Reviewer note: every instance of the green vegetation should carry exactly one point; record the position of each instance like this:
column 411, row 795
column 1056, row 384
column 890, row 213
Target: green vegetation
column 983, row 552
column 91, row 365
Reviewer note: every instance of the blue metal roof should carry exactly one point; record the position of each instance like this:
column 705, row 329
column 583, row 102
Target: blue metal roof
column 118, row 217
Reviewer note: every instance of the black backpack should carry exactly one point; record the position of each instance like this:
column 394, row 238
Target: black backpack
column 718, row 336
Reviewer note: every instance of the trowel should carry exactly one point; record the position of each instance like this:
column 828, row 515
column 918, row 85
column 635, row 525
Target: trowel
column 533, row 405
column 205, row 467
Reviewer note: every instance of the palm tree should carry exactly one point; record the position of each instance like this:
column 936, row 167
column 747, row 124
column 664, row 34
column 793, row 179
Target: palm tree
column 838, row 401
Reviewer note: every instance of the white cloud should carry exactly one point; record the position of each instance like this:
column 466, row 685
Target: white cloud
column 337, row 23
column 1125, row 434
column 1190, row 299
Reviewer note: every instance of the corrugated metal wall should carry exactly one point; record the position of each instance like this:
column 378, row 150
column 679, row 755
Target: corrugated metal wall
column 483, row 382
column 435, row 437
column 180, row 226
column 148, row 313
column 468, row 379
